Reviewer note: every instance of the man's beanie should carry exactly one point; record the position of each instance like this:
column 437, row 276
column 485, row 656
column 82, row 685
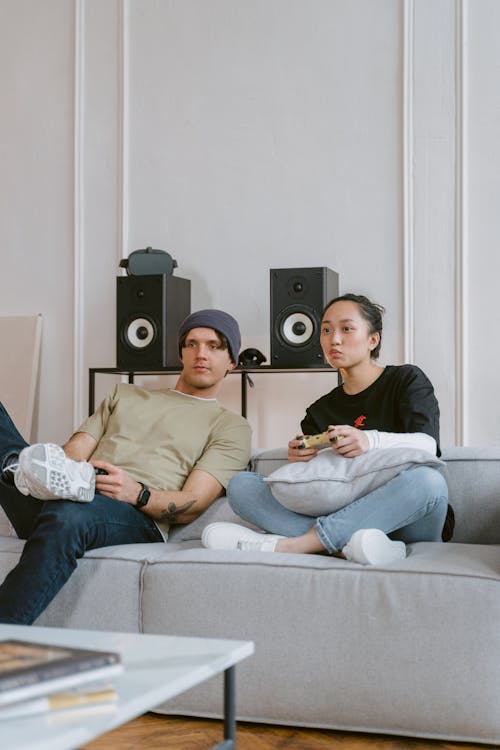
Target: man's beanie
column 220, row 321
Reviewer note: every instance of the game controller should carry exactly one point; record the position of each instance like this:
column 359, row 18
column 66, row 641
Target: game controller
column 313, row 441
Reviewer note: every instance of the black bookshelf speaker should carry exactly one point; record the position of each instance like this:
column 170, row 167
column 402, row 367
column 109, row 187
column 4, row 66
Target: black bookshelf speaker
column 298, row 296
column 149, row 311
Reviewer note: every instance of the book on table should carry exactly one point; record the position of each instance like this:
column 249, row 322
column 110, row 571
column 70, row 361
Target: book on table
column 83, row 698
column 29, row 669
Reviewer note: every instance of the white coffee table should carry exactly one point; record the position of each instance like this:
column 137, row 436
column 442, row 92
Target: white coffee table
column 156, row 668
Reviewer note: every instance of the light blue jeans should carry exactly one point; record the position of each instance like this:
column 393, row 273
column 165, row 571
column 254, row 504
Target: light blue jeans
column 411, row 507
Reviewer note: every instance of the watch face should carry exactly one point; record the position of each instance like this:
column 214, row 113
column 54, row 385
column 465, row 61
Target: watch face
column 143, row 497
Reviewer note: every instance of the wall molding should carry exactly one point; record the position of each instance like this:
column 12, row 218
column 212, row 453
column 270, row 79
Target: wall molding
column 123, row 129
column 122, row 126
column 461, row 225
column 123, row 134
column 78, row 213
column 408, row 183
column 459, row 364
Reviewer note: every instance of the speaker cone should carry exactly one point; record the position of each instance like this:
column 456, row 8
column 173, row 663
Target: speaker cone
column 297, row 328
column 140, row 333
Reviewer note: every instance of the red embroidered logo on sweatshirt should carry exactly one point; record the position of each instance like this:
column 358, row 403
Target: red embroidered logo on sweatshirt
column 360, row 421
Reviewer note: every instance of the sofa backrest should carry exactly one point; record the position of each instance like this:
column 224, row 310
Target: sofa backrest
column 473, row 476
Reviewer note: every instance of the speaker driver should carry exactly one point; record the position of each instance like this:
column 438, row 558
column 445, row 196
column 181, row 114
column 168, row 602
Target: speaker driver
column 140, row 333
column 297, row 328
column 297, row 287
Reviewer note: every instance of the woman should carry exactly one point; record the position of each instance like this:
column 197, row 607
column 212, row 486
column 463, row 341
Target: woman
column 375, row 407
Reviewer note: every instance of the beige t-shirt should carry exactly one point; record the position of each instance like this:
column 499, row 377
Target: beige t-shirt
column 159, row 437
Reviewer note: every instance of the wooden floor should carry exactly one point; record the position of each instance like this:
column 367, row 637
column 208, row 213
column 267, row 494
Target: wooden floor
column 180, row 733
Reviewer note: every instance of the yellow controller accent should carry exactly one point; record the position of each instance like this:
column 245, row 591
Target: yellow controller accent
column 312, row 441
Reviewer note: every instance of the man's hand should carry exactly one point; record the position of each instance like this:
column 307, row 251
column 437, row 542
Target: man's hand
column 116, row 483
column 173, row 506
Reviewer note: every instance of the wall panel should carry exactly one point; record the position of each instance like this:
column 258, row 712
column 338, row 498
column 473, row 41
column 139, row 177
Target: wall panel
column 433, row 167
column 36, row 190
column 483, row 271
column 245, row 136
column 267, row 134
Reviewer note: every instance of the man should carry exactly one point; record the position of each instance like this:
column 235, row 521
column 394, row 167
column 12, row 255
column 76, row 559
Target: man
column 143, row 461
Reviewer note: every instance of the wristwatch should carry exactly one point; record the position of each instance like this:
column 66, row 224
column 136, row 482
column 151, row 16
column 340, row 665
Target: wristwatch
column 143, row 496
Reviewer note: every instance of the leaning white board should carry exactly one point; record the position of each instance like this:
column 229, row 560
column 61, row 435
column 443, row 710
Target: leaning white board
column 20, row 338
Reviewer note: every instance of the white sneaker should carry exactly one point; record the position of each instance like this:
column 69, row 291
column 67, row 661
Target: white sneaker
column 45, row 472
column 373, row 547
column 232, row 536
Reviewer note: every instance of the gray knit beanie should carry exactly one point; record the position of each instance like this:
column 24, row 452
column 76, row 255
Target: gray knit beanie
column 220, row 321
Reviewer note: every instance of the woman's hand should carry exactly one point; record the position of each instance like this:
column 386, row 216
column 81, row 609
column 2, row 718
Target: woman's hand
column 348, row 441
column 116, row 483
column 296, row 451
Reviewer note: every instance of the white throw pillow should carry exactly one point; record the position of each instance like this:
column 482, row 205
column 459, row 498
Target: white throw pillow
column 329, row 481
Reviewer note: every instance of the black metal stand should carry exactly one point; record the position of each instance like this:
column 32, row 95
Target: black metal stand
column 229, row 742
column 246, row 380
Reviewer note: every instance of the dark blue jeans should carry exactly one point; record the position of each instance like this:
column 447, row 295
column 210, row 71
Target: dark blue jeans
column 57, row 533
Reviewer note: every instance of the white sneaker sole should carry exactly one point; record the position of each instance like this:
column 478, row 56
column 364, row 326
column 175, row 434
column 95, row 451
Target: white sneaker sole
column 46, row 463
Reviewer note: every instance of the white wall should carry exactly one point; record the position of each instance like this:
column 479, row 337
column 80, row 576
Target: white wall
column 242, row 136
column 483, row 220
column 36, row 190
column 248, row 151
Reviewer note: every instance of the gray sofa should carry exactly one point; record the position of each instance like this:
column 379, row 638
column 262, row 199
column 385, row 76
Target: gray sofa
column 412, row 649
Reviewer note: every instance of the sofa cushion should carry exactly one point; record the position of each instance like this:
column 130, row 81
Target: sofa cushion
column 6, row 528
column 329, row 481
column 415, row 627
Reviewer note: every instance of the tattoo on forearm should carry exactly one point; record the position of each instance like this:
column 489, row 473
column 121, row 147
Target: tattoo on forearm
column 172, row 511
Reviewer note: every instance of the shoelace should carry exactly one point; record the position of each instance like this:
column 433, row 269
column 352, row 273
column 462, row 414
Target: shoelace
column 255, row 544
column 13, row 467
